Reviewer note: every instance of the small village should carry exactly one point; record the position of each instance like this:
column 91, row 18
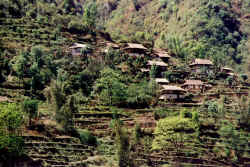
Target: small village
column 198, row 77
column 124, row 83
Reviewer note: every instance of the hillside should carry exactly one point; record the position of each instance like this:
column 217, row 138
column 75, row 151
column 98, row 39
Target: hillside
column 124, row 83
column 202, row 27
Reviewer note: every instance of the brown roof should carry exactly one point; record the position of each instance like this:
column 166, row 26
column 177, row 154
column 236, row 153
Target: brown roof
column 171, row 87
column 193, row 82
column 228, row 69
column 135, row 46
column 201, row 62
column 157, row 63
column 112, row 45
column 161, row 53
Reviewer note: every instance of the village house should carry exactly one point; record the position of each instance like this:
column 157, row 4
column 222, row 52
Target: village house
column 163, row 55
column 76, row 49
column 161, row 66
column 135, row 50
column 170, row 92
column 195, row 85
column 201, row 66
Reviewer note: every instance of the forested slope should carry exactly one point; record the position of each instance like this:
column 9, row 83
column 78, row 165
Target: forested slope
column 200, row 28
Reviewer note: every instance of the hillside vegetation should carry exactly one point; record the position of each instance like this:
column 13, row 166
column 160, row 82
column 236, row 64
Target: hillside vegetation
column 211, row 29
column 124, row 83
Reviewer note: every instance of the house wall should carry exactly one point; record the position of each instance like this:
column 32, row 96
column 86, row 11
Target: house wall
column 76, row 51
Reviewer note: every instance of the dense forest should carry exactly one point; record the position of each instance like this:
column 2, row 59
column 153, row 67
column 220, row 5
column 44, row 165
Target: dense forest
column 124, row 83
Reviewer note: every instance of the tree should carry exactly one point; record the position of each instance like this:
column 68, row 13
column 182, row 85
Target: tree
column 153, row 71
column 234, row 142
column 20, row 65
column 110, row 88
column 37, row 54
column 11, row 143
column 141, row 94
column 89, row 16
column 122, row 145
column 30, row 107
column 213, row 110
column 171, row 132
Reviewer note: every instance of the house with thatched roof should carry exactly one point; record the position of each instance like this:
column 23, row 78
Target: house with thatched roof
column 202, row 66
column 76, row 48
column 158, row 63
column 195, row 85
column 170, row 92
column 161, row 66
column 161, row 54
column 228, row 72
column 135, row 50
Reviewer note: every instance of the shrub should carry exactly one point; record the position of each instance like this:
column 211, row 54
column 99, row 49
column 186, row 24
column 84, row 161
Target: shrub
column 161, row 113
column 87, row 138
column 30, row 107
column 11, row 144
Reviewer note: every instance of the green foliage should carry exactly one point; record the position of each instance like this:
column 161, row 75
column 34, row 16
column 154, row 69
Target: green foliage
column 110, row 88
column 153, row 71
column 87, row 138
column 20, row 65
column 141, row 94
column 30, row 107
column 243, row 120
column 89, row 16
column 172, row 132
column 11, row 120
column 234, row 142
column 122, row 145
column 176, row 46
column 161, row 113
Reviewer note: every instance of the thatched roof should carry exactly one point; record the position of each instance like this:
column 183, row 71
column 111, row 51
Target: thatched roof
column 161, row 53
column 161, row 80
column 172, row 87
column 227, row 69
column 193, row 82
column 157, row 63
column 201, row 62
column 77, row 45
column 135, row 46
column 112, row 45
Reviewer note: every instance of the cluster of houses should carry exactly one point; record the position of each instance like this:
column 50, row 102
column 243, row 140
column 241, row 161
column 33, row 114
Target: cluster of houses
column 160, row 60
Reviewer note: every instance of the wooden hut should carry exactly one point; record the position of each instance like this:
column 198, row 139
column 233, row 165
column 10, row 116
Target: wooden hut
column 201, row 66
column 135, row 50
column 170, row 92
column 163, row 55
column 76, row 48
